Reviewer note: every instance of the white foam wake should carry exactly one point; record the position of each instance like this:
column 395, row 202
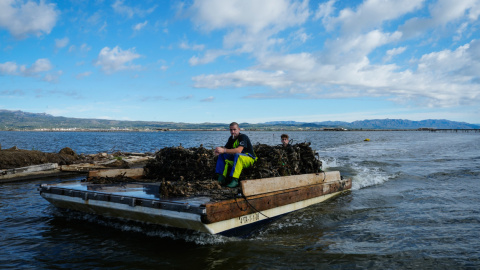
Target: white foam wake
column 369, row 176
column 361, row 175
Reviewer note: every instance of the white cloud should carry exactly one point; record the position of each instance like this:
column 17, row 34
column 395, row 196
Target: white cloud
column 189, row 97
column 24, row 18
column 461, row 29
column 9, row 68
column 440, row 79
column 391, row 53
column 342, row 68
column 356, row 47
column 95, row 18
column 120, row 8
column 63, row 42
column 451, row 77
column 53, row 77
column 301, row 36
column 242, row 78
column 474, row 11
column 139, row 26
column 196, row 47
column 41, row 65
column 83, row 74
column 103, row 28
column 60, row 93
column 85, row 48
column 208, row 99
column 250, row 24
column 116, row 59
column 153, row 98
column 445, row 11
column 163, row 65
column 208, row 57
column 298, row 62
column 253, row 15
column 370, row 14
column 16, row 92
column 325, row 11
column 442, row 13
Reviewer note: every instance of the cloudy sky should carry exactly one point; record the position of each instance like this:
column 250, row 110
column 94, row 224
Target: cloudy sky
column 242, row 60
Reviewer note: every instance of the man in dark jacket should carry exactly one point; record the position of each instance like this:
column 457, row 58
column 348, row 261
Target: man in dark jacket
column 237, row 153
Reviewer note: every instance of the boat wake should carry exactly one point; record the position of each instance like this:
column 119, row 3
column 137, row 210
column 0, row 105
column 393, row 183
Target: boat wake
column 369, row 176
column 363, row 174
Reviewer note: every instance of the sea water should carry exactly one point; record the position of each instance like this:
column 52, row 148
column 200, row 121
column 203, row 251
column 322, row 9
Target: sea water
column 415, row 204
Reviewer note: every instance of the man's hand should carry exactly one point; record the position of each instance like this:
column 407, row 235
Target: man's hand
column 219, row 150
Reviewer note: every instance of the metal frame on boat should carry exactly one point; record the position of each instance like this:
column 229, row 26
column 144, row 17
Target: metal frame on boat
column 262, row 200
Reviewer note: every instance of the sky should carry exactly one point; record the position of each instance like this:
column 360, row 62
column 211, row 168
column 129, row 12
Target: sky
column 242, row 60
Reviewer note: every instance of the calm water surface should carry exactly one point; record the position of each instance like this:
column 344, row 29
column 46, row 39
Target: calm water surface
column 415, row 204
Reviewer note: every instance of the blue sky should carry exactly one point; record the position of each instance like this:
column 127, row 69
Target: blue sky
column 242, row 60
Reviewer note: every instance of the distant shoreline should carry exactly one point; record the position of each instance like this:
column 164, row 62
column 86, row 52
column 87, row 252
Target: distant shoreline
column 25, row 121
column 249, row 130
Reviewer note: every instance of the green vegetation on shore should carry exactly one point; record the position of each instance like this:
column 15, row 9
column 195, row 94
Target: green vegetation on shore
column 25, row 121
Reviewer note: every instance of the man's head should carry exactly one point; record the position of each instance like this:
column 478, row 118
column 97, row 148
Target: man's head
column 234, row 129
column 285, row 140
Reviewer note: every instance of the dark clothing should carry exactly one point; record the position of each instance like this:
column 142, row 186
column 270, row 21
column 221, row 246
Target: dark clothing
column 237, row 161
column 241, row 140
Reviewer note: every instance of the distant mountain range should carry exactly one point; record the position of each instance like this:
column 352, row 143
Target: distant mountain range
column 19, row 120
column 386, row 124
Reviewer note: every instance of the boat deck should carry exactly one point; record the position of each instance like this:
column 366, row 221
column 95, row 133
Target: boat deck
column 132, row 194
column 262, row 200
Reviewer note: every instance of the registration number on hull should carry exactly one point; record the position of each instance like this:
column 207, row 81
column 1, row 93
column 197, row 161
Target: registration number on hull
column 249, row 218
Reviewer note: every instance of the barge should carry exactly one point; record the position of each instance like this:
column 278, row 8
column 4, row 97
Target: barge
column 260, row 201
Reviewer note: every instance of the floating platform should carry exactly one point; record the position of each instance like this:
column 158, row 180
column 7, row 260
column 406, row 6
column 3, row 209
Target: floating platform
column 261, row 201
column 133, row 160
column 29, row 172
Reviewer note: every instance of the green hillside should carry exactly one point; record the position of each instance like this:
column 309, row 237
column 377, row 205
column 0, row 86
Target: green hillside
column 19, row 120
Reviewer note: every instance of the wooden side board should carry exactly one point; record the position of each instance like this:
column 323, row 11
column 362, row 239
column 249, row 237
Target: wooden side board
column 218, row 211
column 267, row 185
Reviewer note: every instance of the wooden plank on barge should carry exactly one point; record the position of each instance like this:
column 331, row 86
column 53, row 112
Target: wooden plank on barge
column 82, row 167
column 266, row 185
column 137, row 159
column 136, row 173
column 223, row 210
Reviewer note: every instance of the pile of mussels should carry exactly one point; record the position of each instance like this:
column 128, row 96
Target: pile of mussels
column 185, row 172
column 198, row 164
